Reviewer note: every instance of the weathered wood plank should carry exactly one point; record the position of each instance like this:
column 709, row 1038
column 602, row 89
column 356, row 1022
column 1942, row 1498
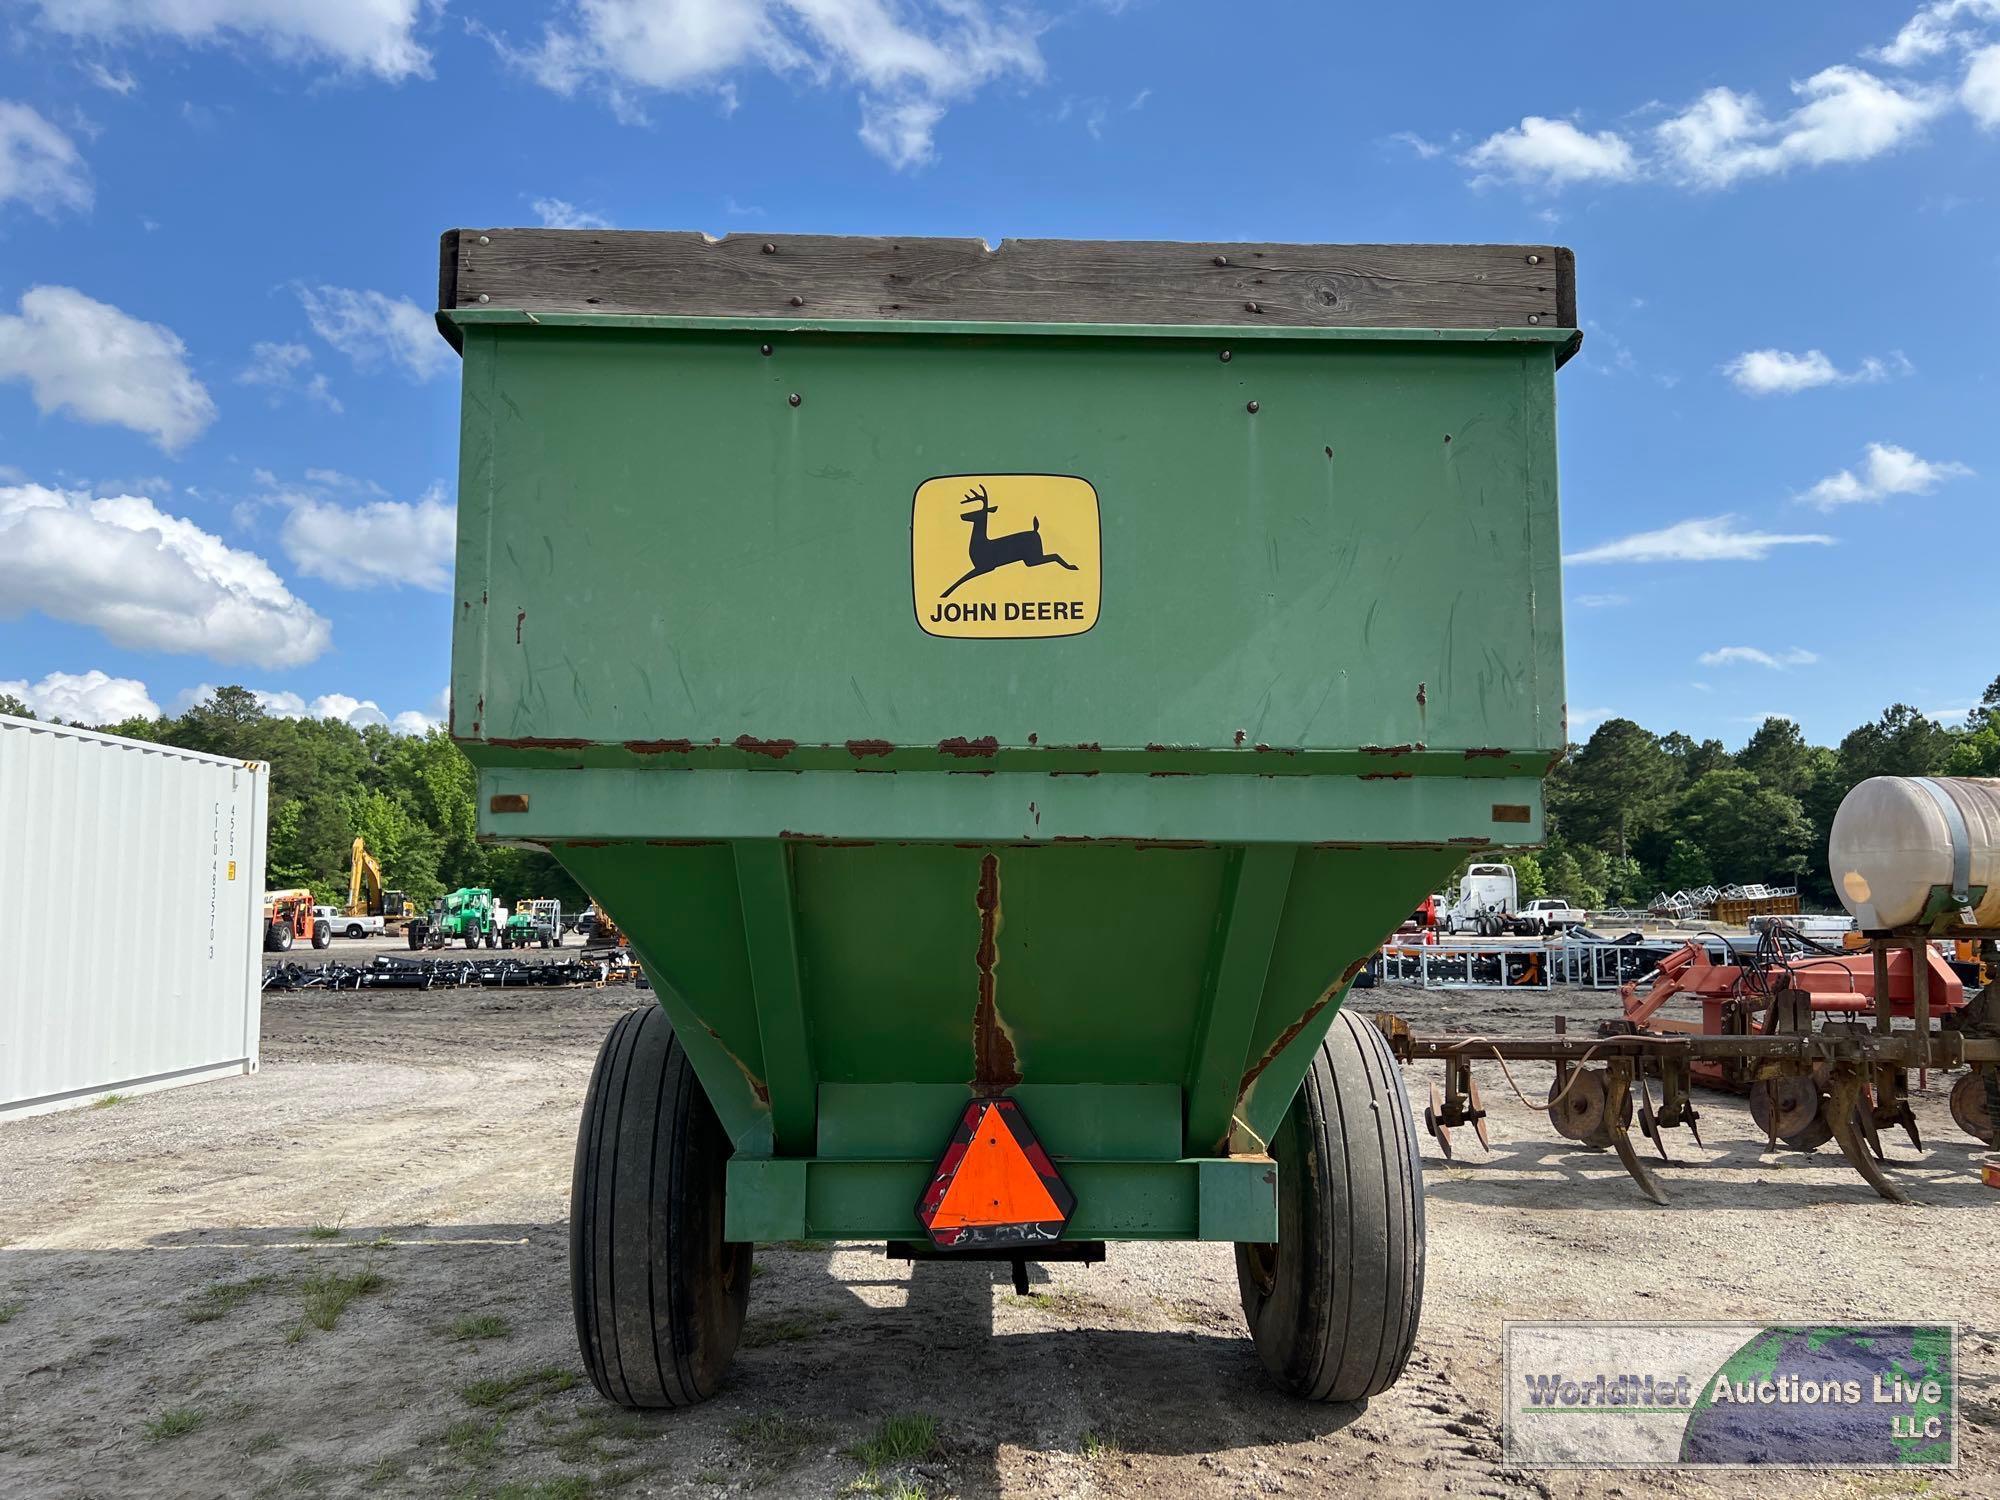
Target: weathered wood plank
column 822, row 277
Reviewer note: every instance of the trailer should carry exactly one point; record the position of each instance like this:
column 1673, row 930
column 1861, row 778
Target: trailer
column 1044, row 674
column 162, row 850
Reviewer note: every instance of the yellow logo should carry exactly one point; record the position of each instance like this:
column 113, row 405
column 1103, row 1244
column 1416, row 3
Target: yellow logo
column 1005, row 555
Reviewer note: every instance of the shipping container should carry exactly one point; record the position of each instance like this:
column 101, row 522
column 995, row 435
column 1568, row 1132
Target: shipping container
column 131, row 905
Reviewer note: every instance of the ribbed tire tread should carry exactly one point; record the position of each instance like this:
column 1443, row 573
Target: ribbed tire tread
column 1334, row 1314
column 659, row 1298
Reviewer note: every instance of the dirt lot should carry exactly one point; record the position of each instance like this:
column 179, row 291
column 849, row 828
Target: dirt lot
column 167, row 1264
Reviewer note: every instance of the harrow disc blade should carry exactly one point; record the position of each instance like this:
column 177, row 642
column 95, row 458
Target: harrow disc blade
column 1790, row 1109
column 1577, row 1109
column 1434, row 1120
column 1478, row 1112
column 1972, row 1108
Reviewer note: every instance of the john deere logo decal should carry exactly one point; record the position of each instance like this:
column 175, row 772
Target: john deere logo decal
column 1005, row 555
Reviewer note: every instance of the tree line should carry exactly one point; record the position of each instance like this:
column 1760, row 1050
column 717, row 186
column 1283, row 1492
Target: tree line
column 1630, row 812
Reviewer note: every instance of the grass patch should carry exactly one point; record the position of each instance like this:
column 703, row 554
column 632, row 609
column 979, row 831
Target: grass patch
column 108, row 1100
column 1094, row 1446
column 219, row 1299
column 479, row 1326
column 473, row 1441
column 899, row 1439
column 894, row 1487
column 780, row 1331
column 569, row 1487
column 511, row 1392
column 178, row 1422
column 264, row 1442
column 327, row 1295
column 8, row 1309
column 1060, row 1300
column 776, row 1440
column 323, row 1232
column 578, row 1442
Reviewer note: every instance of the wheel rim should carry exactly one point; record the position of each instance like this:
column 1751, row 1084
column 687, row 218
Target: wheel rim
column 1261, row 1261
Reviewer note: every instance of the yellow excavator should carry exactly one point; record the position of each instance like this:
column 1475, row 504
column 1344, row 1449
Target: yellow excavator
column 367, row 900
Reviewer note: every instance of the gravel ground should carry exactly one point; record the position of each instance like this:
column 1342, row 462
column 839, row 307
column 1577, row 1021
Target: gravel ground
column 169, row 1261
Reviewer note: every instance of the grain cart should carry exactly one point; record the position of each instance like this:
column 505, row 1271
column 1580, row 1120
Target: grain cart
column 1005, row 694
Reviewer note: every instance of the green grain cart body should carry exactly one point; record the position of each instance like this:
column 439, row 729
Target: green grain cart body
column 1117, row 860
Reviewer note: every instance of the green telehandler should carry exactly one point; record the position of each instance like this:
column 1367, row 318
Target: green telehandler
column 466, row 913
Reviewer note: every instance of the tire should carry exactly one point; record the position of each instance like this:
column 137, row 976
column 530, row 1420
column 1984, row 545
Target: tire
column 322, row 935
column 273, row 938
column 492, row 939
column 284, row 934
column 354, row 930
column 471, row 939
column 659, row 1297
column 1333, row 1307
column 415, row 933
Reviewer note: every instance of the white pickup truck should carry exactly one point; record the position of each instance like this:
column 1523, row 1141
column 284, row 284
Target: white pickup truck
column 1553, row 913
column 346, row 926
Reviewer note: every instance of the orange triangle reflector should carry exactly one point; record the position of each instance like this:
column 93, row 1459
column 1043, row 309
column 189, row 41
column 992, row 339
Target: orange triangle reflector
column 994, row 1188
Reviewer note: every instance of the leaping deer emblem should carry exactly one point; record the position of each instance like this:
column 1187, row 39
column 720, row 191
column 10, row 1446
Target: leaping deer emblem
column 992, row 552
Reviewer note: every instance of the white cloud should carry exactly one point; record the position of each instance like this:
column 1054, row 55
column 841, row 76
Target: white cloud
column 1726, row 656
column 1885, row 470
column 908, row 62
column 361, row 36
column 375, row 543
column 1599, row 601
column 1768, row 372
column 1583, row 718
column 1553, row 154
column 39, row 165
column 371, row 328
column 88, row 698
column 1929, row 33
column 360, row 712
column 1980, row 93
column 102, row 365
column 120, row 83
column 1846, row 115
column 1426, row 149
column 560, row 213
column 282, row 369
column 1705, row 539
column 147, row 579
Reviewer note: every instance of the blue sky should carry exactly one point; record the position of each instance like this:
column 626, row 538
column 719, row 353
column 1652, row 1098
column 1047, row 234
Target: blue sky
column 228, row 431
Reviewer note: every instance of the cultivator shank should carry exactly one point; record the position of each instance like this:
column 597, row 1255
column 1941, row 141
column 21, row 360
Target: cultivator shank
column 1812, row 1036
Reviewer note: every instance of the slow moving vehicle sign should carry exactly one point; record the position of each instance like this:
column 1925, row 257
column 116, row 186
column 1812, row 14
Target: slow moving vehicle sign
column 994, row 1187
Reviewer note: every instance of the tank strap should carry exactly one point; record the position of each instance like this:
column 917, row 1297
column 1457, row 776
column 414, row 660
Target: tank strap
column 1961, row 839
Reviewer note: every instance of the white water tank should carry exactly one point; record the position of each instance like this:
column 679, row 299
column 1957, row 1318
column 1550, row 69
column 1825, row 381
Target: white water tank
column 1897, row 840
